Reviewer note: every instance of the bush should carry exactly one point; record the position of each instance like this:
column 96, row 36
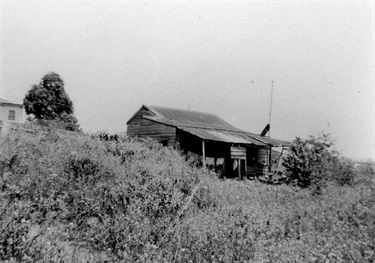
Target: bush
column 314, row 161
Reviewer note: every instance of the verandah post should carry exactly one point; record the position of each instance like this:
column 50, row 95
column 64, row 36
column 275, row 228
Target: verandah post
column 203, row 154
column 239, row 169
column 246, row 167
column 270, row 159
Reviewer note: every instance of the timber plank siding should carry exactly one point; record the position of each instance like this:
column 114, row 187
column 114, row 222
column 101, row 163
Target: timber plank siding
column 143, row 128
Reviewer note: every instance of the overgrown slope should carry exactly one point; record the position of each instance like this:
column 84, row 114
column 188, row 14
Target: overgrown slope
column 75, row 198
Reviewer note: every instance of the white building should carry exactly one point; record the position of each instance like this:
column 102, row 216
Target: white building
column 10, row 113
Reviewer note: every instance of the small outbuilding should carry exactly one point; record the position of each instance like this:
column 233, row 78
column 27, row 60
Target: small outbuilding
column 207, row 138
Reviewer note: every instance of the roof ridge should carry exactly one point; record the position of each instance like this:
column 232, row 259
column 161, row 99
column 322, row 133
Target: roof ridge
column 184, row 110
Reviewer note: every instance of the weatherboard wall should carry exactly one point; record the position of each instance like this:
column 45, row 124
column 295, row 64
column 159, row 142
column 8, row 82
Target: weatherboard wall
column 142, row 127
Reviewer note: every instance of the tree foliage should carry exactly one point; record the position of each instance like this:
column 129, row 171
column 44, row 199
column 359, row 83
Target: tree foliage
column 48, row 101
column 313, row 161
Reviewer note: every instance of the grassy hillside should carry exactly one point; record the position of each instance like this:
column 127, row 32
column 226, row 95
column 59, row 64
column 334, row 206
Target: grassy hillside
column 75, row 198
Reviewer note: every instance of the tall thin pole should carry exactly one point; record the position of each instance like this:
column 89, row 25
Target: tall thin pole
column 269, row 120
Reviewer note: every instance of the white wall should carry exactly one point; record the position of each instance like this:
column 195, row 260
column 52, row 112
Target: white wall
column 4, row 113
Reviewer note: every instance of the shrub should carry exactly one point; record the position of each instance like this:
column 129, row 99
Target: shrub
column 314, row 161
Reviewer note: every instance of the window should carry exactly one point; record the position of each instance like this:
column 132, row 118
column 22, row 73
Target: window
column 12, row 115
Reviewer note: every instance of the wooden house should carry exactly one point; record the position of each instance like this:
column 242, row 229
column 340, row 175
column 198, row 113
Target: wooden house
column 207, row 138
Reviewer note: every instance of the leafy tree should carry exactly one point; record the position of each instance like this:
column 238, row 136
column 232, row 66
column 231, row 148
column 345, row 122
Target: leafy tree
column 310, row 161
column 48, row 101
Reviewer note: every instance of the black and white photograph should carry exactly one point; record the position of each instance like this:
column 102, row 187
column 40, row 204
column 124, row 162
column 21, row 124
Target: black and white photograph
column 187, row 131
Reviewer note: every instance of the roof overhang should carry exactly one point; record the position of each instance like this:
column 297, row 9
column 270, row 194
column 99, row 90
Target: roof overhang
column 11, row 104
column 222, row 136
column 270, row 141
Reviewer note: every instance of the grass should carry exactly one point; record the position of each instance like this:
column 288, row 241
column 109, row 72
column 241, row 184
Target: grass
column 75, row 198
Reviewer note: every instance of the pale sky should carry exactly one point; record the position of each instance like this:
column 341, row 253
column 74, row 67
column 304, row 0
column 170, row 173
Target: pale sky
column 216, row 57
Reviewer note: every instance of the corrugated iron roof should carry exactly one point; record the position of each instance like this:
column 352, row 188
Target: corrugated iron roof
column 178, row 123
column 190, row 118
column 222, row 136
